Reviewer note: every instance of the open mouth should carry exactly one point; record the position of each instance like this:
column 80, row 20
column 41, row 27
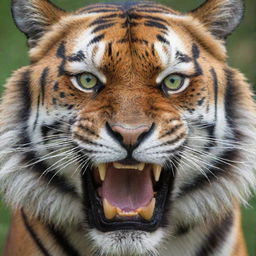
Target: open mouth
column 120, row 197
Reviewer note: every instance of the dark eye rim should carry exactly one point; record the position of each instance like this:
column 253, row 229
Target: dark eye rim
column 98, row 87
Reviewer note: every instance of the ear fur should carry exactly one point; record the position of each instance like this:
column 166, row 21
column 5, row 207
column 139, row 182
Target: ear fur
column 33, row 17
column 221, row 17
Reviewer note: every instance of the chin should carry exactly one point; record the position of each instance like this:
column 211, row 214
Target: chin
column 126, row 242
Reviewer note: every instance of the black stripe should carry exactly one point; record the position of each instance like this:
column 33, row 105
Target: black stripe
column 103, row 19
column 216, row 238
column 25, row 96
column 63, row 242
column 37, row 111
column 61, row 53
column 109, row 49
column 50, row 177
column 211, row 129
column 78, row 57
column 104, row 10
column 43, row 81
column 183, row 229
column 54, row 127
column 103, row 26
column 232, row 94
column 155, row 24
column 216, row 85
column 135, row 16
column 34, row 236
column 196, row 55
column 172, row 130
column 221, row 169
column 162, row 39
column 231, row 98
column 88, row 130
column 152, row 11
column 96, row 39
column 181, row 57
column 56, row 86
column 147, row 17
column 153, row 49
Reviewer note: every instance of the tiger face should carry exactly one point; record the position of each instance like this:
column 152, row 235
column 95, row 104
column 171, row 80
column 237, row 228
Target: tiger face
column 128, row 120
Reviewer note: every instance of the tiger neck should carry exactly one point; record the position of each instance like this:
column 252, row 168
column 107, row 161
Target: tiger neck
column 29, row 237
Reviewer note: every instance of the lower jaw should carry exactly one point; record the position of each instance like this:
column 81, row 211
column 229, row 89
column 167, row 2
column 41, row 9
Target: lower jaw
column 94, row 211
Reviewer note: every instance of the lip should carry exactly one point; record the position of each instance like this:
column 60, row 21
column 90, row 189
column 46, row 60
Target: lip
column 94, row 206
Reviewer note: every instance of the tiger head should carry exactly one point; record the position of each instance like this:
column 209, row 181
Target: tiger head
column 128, row 122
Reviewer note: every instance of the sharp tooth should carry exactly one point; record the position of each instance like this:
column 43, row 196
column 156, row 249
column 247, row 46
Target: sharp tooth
column 110, row 211
column 135, row 167
column 102, row 171
column 157, row 171
column 141, row 166
column 126, row 214
column 148, row 211
column 118, row 166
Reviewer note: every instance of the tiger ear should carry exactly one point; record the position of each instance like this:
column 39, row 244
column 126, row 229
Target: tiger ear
column 33, row 17
column 221, row 17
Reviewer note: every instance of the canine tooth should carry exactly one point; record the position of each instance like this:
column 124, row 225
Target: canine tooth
column 110, row 211
column 148, row 211
column 157, row 171
column 102, row 171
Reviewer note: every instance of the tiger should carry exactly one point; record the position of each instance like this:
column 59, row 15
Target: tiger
column 128, row 133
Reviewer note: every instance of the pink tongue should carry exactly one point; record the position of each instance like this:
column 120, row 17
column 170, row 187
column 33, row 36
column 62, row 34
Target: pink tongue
column 128, row 189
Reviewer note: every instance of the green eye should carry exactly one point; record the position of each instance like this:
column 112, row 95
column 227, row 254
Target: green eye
column 173, row 82
column 87, row 81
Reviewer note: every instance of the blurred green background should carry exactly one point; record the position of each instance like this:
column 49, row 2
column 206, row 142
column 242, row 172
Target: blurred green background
column 241, row 49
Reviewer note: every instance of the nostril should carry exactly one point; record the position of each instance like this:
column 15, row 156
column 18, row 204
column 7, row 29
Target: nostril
column 114, row 134
column 129, row 135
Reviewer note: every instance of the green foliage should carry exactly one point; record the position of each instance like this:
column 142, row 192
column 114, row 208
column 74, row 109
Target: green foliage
column 241, row 49
column 4, row 224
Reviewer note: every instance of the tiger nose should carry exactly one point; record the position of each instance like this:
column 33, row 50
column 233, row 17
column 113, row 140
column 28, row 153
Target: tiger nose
column 130, row 135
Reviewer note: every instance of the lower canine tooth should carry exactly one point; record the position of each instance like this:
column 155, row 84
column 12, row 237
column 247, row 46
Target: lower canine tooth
column 148, row 211
column 157, row 171
column 102, row 171
column 109, row 210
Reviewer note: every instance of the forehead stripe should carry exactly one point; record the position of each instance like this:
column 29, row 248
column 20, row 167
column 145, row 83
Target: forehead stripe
column 102, row 27
column 61, row 53
column 104, row 10
column 155, row 24
column 103, row 20
column 96, row 39
column 78, row 57
column 162, row 39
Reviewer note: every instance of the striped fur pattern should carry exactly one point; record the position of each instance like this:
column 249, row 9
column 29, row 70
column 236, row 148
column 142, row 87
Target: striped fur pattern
column 51, row 132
